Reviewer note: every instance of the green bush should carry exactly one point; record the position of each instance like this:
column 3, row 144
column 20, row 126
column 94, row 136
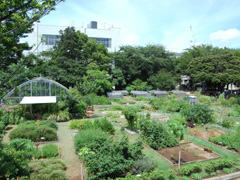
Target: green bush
column 101, row 100
column 157, row 135
column 141, row 98
column 232, row 141
column 2, row 127
column 130, row 114
column 138, row 85
column 88, row 137
column 33, row 132
column 233, row 113
column 50, row 150
column 110, row 158
column 206, row 99
column 53, row 169
column 227, row 123
column 61, row 116
column 176, row 128
column 142, row 165
column 199, row 114
column 48, row 123
column 158, row 103
column 115, row 108
column 189, row 169
column 104, row 125
column 14, row 163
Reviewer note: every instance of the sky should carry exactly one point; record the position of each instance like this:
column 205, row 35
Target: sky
column 166, row 22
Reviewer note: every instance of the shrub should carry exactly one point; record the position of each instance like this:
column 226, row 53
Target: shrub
column 86, row 138
column 176, row 128
column 53, row 169
column 130, row 114
column 189, row 169
column 232, row 141
column 141, row 98
column 101, row 100
column 142, row 165
column 206, row 99
column 112, row 115
column 33, row 132
column 158, row 103
column 22, row 145
column 227, row 123
column 61, row 116
column 233, row 113
column 199, row 114
column 50, row 150
column 48, row 123
column 104, row 125
column 14, row 163
column 156, row 134
column 138, row 85
column 115, row 158
column 2, row 127
column 115, row 108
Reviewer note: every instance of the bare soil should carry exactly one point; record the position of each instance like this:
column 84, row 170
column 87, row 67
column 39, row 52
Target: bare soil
column 205, row 134
column 189, row 152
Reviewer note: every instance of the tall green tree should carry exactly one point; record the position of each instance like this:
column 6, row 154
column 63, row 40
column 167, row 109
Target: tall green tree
column 16, row 19
column 216, row 70
column 142, row 62
column 72, row 56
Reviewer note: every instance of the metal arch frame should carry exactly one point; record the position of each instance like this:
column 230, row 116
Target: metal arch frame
column 36, row 80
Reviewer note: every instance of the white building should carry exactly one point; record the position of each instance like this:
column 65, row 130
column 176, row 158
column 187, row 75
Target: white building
column 109, row 36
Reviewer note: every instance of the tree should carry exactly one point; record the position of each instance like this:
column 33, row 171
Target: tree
column 216, row 70
column 72, row 56
column 191, row 53
column 17, row 18
column 163, row 80
column 142, row 62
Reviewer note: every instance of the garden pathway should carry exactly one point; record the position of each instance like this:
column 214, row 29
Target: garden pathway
column 68, row 154
column 10, row 128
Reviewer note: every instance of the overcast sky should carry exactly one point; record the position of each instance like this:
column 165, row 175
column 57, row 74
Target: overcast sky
column 165, row 22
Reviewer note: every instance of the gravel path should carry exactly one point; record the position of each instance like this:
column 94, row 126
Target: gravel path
column 68, row 154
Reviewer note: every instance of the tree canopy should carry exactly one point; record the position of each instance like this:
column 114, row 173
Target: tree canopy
column 17, row 18
column 141, row 62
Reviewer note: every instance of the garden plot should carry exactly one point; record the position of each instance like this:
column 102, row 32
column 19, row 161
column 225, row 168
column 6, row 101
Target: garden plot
column 161, row 117
column 190, row 152
column 206, row 134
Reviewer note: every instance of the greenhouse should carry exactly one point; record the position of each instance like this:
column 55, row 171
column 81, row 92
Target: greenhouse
column 36, row 91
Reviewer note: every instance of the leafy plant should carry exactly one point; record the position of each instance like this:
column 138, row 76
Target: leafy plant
column 142, row 165
column 130, row 114
column 34, row 132
column 50, row 150
column 156, row 134
column 101, row 100
column 199, row 114
column 53, row 169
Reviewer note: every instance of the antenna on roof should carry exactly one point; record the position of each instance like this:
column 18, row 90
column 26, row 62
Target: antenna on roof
column 193, row 41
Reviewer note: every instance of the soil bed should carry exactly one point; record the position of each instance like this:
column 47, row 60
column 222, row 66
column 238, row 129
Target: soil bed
column 189, row 153
column 203, row 134
column 206, row 134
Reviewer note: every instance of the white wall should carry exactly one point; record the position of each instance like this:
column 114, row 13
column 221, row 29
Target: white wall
column 35, row 37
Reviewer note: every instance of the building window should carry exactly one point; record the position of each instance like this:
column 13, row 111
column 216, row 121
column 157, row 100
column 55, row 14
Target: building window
column 106, row 41
column 50, row 39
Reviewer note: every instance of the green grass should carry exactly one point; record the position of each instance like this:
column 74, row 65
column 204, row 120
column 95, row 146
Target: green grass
column 159, row 161
column 215, row 148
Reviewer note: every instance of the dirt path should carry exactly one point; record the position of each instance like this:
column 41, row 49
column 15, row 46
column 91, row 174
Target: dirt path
column 10, row 128
column 66, row 145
